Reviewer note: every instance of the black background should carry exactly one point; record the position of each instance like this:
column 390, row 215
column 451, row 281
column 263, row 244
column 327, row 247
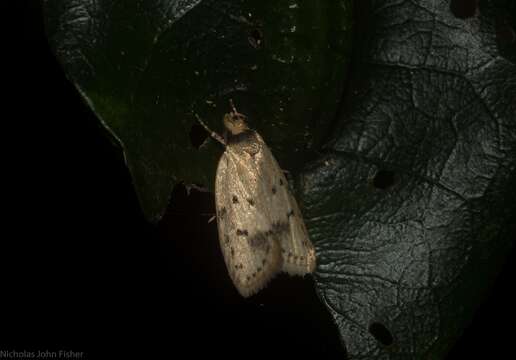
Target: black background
column 83, row 271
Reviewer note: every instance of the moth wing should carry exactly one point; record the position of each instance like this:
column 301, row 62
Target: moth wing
column 251, row 255
column 299, row 257
column 297, row 251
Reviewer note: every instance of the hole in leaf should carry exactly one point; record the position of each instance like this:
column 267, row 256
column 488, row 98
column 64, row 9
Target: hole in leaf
column 197, row 135
column 381, row 333
column 504, row 13
column 256, row 38
column 384, row 179
column 505, row 34
column 464, row 9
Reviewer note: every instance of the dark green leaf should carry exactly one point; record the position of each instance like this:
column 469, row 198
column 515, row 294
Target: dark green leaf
column 410, row 205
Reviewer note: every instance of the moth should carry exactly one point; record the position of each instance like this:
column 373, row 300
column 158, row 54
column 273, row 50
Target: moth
column 261, row 229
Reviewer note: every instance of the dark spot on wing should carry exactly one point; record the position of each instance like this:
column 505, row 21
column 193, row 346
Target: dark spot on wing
column 235, row 199
column 258, row 240
column 280, row 227
column 250, row 201
column 281, row 182
column 232, row 252
column 242, row 232
column 226, row 239
column 222, row 212
column 273, row 190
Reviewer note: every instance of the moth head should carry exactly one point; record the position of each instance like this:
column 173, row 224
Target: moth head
column 235, row 123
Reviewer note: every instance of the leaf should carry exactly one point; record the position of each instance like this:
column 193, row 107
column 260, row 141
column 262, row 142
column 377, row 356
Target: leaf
column 410, row 201
column 410, row 207
column 145, row 67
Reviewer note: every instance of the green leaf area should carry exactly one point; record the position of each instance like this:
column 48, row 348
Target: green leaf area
column 404, row 160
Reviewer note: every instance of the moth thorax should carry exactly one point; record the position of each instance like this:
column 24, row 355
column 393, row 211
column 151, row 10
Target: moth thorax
column 235, row 123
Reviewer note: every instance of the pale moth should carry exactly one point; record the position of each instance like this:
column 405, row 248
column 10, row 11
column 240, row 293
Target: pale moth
column 261, row 230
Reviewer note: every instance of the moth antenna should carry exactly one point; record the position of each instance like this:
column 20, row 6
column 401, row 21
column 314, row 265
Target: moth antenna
column 213, row 134
column 232, row 105
column 234, row 110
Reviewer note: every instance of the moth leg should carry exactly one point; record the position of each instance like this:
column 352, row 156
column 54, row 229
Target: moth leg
column 190, row 187
column 213, row 134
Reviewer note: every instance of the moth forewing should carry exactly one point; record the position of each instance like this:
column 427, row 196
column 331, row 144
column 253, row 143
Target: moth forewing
column 252, row 258
column 261, row 230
